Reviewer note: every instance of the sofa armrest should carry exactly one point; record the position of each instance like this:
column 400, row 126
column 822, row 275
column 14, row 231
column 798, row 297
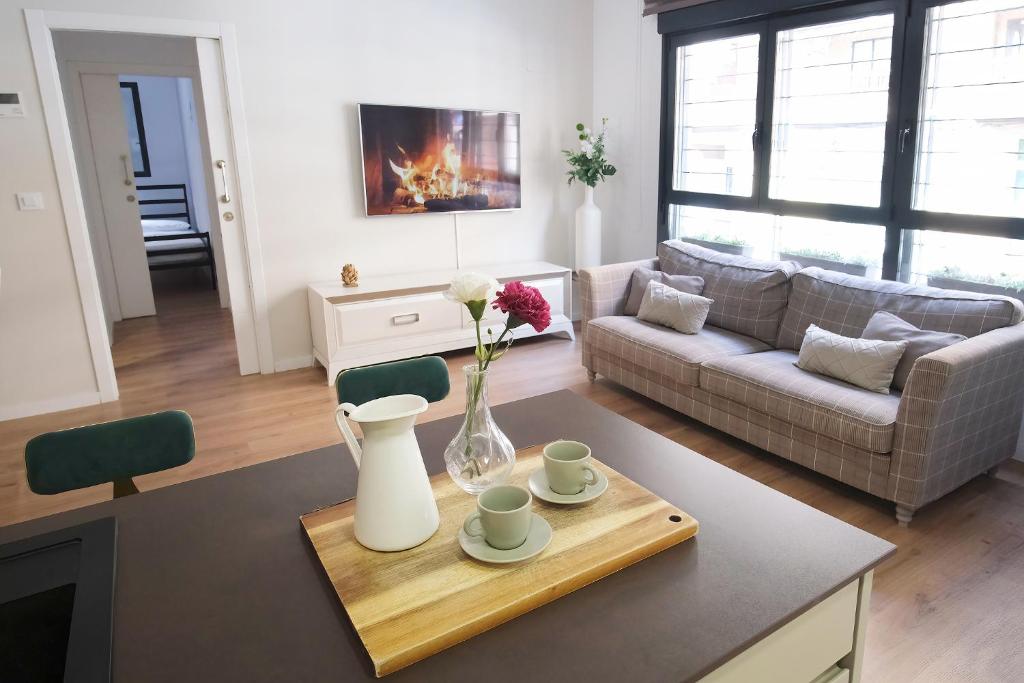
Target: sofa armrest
column 603, row 289
column 960, row 414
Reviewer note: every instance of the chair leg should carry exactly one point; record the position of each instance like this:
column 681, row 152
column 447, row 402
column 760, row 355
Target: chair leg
column 591, row 375
column 904, row 513
column 124, row 487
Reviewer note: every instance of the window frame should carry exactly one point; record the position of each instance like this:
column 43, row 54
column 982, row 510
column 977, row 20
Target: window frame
column 670, row 94
column 728, row 18
column 904, row 215
column 831, row 211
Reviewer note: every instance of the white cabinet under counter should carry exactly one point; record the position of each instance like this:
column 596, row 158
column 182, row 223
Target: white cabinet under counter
column 390, row 317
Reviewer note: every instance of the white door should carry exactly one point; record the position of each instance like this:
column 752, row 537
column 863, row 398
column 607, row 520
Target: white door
column 109, row 138
column 228, row 210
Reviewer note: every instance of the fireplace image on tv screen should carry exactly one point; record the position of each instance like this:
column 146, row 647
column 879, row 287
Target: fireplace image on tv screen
column 420, row 160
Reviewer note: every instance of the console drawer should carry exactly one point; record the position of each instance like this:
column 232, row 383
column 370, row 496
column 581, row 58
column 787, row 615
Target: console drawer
column 368, row 321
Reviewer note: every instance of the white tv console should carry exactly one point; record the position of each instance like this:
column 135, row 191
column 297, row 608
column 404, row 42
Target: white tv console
column 390, row 317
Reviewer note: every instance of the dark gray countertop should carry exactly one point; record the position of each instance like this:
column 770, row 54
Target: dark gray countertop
column 216, row 580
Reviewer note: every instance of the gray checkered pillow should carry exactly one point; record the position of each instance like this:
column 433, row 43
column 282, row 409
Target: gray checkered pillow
column 690, row 284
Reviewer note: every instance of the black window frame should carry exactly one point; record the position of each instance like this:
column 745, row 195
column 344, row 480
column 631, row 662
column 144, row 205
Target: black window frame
column 140, row 126
column 727, row 18
column 905, row 215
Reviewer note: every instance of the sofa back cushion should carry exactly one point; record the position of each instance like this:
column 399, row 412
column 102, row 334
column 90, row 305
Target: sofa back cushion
column 749, row 295
column 845, row 303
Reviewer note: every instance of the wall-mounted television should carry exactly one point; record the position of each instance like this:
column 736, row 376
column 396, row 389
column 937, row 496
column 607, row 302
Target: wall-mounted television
column 426, row 160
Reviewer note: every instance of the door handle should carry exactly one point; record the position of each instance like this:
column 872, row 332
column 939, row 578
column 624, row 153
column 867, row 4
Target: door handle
column 405, row 319
column 128, row 173
column 222, row 165
column 903, row 138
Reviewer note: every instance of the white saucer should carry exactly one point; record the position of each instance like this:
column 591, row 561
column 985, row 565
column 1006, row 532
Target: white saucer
column 536, row 541
column 540, row 488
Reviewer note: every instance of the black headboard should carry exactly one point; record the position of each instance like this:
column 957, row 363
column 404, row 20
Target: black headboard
column 153, row 199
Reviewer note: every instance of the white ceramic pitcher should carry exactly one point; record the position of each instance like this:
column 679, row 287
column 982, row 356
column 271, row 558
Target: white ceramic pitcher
column 395, row 507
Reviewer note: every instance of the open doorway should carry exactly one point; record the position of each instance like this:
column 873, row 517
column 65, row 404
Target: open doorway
column 166, row 154
column 139, row 137
column 115, row 45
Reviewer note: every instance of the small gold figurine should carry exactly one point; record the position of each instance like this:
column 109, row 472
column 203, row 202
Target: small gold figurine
column 349, row 275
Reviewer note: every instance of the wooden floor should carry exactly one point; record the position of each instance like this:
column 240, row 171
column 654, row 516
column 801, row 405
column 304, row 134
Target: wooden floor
column 948, row 607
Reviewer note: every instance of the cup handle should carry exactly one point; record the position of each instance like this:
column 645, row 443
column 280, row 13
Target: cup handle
column 593, row 475
column 466, row 526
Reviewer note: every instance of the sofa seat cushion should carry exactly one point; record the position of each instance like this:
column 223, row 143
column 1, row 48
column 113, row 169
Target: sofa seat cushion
column 664, row 351
column 770, row 382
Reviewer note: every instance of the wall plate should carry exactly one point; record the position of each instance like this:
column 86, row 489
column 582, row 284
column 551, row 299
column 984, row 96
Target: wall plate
column 11, row 105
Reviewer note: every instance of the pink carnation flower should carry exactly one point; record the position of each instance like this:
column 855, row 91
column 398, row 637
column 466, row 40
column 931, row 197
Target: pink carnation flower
column 524, row 305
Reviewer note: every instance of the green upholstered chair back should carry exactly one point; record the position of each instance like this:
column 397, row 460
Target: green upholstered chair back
column 109, row 452
column 426, row 377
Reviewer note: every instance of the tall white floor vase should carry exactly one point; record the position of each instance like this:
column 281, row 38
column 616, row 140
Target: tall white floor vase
column 588, row 232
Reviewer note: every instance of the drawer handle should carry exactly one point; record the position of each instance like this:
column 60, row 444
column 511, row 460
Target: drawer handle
column 405, row 319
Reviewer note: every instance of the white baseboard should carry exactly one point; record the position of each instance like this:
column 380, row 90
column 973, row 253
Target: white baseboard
column 51, row 405
column 286, row 364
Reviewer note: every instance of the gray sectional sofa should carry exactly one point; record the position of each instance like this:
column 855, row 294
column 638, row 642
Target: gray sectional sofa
column 958, row 416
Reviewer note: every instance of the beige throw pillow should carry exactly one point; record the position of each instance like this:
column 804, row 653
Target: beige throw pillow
column 867, row 363
column 669, row 307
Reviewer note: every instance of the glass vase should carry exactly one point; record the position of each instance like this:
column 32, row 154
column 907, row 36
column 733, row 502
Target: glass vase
column 480, row 455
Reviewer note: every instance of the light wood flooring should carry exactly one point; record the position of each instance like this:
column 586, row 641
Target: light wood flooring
column 948, row 607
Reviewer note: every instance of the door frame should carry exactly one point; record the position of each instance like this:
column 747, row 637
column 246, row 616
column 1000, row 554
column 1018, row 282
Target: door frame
column 40, row 25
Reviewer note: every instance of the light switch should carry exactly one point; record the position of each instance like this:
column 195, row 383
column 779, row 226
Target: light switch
column 30, row 201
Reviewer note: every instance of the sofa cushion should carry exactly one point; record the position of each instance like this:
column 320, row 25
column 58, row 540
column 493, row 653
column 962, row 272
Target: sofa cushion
column 845, row 303
column 867, row 363
column 663, row 351
column 682, row 311
column 750, row 295
column 885, row 325
column 770, row 383
column 641, row 276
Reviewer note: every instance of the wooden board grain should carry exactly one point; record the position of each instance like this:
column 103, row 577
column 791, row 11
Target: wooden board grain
column 409, row 605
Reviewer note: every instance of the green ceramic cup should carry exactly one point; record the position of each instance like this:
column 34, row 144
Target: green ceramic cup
column 503, row 515
column 567, row 465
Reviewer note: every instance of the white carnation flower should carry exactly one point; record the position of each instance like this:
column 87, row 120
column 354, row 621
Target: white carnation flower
column 466, row 287
column 586, row 147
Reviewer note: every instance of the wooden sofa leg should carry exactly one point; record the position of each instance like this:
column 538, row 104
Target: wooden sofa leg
column 993, row 471
column 904, row 514
column 591, row 375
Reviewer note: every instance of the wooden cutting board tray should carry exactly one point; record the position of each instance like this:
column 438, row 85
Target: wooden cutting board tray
column 409, row 605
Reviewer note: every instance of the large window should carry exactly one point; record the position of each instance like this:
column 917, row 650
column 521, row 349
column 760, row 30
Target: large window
column 850, row 248
column 716, row 111
column 829, row 110
column 971, row 117
column 879, row 138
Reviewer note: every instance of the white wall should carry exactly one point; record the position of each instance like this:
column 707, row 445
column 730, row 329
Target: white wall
column 196, row 179
column 304, row 67
column 627, row 90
